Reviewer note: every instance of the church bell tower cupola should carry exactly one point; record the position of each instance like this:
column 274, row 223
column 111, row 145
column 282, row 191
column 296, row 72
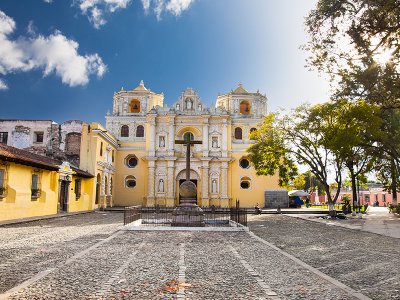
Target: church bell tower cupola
column 138, row 101
column 243, row 103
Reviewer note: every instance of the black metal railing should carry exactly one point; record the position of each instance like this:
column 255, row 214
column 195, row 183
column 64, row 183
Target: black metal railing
column 162, row 216
column 131, row 214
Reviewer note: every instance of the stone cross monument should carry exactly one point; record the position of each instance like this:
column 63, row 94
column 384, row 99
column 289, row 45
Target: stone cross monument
column 188, row 213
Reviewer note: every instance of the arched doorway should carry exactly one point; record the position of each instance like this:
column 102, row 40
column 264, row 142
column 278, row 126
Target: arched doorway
column 98, row 185
column 181, row 177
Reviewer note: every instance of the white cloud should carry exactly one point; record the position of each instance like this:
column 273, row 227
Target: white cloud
column 48, row 1
column 176, row 7
column 95, row 9
column 3, row 85
column 54, row 53
column 146, row 5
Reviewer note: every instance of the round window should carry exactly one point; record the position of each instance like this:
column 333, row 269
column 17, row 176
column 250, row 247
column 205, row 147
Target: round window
column 131, row 161
column 245, row 184
column 244, row 163
column 131, row 183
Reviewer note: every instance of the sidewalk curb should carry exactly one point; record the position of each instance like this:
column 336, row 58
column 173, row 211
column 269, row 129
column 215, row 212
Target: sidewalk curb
column 346, row 226
column 38, row 218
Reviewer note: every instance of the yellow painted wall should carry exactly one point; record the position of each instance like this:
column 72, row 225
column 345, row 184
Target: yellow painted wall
column 90, row 157
column 18, row 203
column 86, row 200
column 130, row 196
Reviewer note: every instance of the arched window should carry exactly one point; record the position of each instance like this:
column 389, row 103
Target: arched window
column 101, row 148
column 251, row 131
column 140, row 131
column 124, row 131
column 98, row 185
column 130, row 182
column 135, row 106
column 188, row 136
column 245, row 107
column 238, row 133
column 245, row 183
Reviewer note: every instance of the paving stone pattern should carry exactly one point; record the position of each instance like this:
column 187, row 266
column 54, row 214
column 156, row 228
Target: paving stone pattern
column 364, row 261
column 86, row 257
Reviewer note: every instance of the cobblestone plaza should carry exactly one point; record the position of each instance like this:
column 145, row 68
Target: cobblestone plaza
column 88, row 257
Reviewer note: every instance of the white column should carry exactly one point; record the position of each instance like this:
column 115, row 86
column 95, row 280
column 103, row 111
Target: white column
column 205, row 138
column 224, row 146
column 152, row 137
column 171, row 137
column 170, row 183
column 224, row 184
column 205, row 201
column 151, row 176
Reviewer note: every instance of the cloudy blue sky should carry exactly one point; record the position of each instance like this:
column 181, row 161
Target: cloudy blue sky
column 63, row 59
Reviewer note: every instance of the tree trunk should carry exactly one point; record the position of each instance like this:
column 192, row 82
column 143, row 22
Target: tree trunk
column 394, row 182
column 354, row 188
column 331, row 206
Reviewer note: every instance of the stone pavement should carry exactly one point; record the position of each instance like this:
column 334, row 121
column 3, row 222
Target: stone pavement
column 365, row 261
column 88, row 257
column 377, row 220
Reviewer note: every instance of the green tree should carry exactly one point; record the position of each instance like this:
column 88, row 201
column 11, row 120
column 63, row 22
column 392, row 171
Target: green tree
column 357, row 44
column 299, row 182
column 354, row 129
column 269, row 154
column 312, row 183
column 302, row 136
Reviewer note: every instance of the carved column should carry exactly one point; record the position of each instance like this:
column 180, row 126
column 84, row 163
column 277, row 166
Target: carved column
column 152, row 137
column 170, row 183
column 171, row 137
column 205, row 200
column 224, row 146
column 150, row 188
column 205, row 138
column 224, row 184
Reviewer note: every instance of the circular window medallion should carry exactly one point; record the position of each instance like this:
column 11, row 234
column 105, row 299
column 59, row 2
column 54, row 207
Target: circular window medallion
column 245, row 183
column 131, row 161
column 244, row 163
column 130, row 183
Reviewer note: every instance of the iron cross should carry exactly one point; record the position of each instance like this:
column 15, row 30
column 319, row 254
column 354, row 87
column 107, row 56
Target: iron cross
column 188, row 143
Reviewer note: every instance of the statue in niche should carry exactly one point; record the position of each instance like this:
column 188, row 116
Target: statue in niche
column 215, row 142
column 178, row 107
column 161, row 142
column 214, row 186
column 161, row 186
column 189, row 104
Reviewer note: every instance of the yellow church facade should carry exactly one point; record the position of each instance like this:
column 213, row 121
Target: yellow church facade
column 134, row 159
column 149, row 165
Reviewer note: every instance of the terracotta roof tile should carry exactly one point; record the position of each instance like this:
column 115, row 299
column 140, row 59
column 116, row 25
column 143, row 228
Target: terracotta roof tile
column 12, row 154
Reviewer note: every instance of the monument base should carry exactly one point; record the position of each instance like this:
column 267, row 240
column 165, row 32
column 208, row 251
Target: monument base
column 188, row 214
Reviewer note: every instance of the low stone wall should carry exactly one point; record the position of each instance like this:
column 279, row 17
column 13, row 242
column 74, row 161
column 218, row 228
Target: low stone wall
column 276, row 198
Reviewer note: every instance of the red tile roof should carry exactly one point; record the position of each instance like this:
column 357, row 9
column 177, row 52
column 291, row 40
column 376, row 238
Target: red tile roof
column 23, row 157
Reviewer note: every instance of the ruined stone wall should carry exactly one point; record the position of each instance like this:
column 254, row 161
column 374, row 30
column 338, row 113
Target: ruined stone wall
column 45, row 137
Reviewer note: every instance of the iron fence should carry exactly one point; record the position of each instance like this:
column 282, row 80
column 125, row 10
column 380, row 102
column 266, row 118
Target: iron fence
column 162, row 216
column 131, row 214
